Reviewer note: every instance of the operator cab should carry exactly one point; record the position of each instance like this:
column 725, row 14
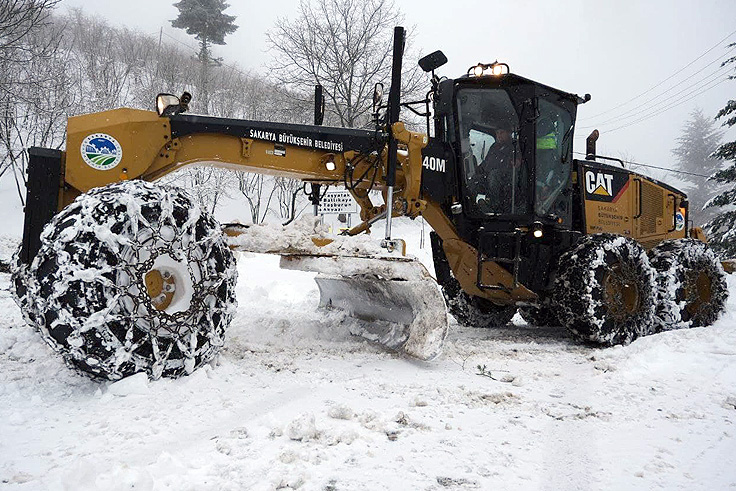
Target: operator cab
column 515, row 156
column 510, row 140
column 513, row 139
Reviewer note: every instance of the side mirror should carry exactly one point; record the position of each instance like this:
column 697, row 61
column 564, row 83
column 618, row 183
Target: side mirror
column 319, row 105
column 169, row 104
column 377, row 96
column 433, row 61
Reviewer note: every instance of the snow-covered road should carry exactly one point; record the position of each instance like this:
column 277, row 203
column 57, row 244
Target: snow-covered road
column 295, row 401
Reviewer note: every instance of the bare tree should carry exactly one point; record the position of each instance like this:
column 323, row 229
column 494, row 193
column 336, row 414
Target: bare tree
column 288, row 192
column 72, row 63
column 256, row 188
column 18, row 19
column 34, row 88
column 208, row 185
column 345, row 46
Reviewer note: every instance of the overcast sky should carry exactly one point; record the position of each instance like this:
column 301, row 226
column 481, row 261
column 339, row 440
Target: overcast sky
column 613, row 50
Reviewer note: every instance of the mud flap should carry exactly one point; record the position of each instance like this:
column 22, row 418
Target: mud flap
column 401, row 303
column 42, row 195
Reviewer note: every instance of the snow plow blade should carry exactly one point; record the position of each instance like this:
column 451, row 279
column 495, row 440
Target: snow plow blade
column 402, row 304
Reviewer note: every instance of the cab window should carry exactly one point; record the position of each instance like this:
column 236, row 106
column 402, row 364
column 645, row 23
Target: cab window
column 495, row 181
column 553, row 163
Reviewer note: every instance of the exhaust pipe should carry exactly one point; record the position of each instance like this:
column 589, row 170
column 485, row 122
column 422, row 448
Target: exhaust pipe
column 590, row 145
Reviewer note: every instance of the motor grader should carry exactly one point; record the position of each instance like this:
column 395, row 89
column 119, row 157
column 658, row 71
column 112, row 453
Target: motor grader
column 121, row 275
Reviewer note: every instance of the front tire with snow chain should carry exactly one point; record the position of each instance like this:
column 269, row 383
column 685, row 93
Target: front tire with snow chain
column 540, row 315
column 468, row 310
column 474, row 311
column 691, row 284
column 133, row 277
column 605, row 290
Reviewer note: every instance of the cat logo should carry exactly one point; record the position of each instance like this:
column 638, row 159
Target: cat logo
column 599, row 183
column 434, row 163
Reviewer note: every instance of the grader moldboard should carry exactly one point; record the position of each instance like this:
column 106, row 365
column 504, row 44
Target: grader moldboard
column 121, row 275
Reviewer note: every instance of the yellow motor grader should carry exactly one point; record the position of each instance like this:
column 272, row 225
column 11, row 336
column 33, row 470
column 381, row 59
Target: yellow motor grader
column 121, row 275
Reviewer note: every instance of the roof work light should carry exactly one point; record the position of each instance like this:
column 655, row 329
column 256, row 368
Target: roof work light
column 494, row 68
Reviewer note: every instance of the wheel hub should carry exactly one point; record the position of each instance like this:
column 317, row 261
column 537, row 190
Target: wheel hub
column 698, row 292
column 167, row 283
column 621, row 293
column 161, row 287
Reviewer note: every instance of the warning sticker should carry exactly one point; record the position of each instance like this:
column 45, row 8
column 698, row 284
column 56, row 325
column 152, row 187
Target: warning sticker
column 336, row 202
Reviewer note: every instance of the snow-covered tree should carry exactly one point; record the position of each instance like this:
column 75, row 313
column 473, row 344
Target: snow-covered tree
column 205, row 20
column 694, row 154
column 722, row 229
column 18, row 20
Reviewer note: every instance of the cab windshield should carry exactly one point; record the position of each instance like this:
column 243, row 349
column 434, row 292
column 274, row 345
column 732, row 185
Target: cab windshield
column 496, row 181
column 553, row 156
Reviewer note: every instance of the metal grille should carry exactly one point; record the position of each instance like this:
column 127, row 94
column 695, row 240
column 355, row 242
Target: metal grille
column 652, row 207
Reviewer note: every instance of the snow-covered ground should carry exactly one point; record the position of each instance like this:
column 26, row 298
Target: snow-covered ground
column 295, row 401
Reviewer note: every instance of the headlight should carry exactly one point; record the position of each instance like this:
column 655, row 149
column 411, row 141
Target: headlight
column 537, row 230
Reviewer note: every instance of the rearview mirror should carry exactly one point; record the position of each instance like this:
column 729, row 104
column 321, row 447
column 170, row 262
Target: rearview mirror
column 377, row 96
column 433, row 61
column 169, row 104
column 164, row 104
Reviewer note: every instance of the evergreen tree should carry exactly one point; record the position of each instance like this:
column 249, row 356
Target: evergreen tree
column 205, row 21
column 722, row 229
column 694, row 154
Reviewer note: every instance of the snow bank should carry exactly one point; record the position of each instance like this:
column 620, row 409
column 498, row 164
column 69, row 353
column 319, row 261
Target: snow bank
column 294, row 401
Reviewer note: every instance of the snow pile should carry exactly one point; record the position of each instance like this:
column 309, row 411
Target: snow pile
column 294, row 401
column 133, row 385
column 304, row 236
column 8, row 246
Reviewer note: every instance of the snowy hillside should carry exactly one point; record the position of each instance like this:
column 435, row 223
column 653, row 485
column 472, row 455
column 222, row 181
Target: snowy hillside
column 295, row 402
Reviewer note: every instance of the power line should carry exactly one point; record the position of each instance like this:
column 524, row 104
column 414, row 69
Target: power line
column 668, row 78
column 196, row 50
column 684, row 99
column 642, row 107
column 630, row 162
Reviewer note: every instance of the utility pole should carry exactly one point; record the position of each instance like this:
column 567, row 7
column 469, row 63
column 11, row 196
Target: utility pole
column 158, row 52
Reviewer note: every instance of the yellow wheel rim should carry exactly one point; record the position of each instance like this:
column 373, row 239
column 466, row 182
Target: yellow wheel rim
column 161, row 287
column 620, row 293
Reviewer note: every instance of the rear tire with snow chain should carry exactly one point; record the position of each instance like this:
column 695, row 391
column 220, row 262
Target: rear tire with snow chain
column 133, row 277
column 20, row 287
column 691, row 284
column 605, row 290
column 469, row 310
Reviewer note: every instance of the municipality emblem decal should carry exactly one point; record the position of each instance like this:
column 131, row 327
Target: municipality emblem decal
column 101, row 151
column 679, row 221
